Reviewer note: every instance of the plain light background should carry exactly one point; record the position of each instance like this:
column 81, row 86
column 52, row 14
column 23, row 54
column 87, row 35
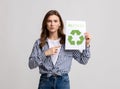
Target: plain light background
column 20, row 23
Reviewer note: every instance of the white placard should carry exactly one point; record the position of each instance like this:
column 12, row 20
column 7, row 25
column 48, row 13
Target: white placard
column 75, row 38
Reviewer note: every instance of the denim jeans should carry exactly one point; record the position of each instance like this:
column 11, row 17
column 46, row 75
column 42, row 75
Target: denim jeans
column 54, row 82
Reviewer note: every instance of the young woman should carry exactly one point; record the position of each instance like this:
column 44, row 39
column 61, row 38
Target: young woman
column 50, row 56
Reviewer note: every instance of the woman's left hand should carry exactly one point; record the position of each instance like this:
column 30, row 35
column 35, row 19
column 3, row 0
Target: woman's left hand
column 88, row 39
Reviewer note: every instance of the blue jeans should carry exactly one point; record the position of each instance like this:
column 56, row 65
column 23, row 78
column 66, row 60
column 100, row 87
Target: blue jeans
column 54, row 82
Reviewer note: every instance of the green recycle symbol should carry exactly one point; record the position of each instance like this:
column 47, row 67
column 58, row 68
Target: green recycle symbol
column 70, row 38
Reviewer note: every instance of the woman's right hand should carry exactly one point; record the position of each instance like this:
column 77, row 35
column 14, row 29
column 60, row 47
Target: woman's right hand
column 51, row 51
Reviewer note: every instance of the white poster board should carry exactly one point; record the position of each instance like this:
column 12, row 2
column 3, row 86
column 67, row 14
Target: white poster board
column 75, row 38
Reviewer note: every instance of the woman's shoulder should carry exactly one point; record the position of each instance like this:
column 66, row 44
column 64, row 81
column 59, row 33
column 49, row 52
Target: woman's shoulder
column 37, row 42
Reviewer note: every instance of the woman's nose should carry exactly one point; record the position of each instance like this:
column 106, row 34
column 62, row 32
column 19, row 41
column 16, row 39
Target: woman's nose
column 52, row 23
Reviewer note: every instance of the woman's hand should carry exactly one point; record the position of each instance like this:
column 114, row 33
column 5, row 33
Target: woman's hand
column 88, row 39
column 51, row 51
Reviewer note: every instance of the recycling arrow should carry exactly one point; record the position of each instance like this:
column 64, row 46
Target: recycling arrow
column 70, row 38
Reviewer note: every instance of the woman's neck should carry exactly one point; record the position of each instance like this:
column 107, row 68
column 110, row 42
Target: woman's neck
column 53, row 36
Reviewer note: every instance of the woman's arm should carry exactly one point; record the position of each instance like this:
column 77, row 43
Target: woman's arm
column 37, row 56
column 82, row 57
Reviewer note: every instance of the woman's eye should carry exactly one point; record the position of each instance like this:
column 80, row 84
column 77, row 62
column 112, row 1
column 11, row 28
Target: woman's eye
column 55, row 21
column 49, row 21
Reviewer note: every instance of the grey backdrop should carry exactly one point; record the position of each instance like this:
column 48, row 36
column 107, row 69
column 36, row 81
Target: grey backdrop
column 20, row 23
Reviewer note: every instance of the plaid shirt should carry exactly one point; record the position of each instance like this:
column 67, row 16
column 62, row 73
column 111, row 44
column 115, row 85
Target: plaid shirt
column 63, row 64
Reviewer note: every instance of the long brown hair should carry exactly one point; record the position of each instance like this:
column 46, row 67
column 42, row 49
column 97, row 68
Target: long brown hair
column 45, row 32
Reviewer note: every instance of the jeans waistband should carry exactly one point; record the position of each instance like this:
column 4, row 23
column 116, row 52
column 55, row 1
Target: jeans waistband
column 53, row 75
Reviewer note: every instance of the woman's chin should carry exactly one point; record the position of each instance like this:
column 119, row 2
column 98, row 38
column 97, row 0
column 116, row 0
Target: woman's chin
column 52, row 31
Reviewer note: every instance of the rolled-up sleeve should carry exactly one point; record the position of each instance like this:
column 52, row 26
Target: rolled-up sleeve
column 82, row 57
column 37, row 56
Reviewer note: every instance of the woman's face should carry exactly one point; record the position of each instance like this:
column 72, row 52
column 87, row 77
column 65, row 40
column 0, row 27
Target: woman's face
column 53, row 23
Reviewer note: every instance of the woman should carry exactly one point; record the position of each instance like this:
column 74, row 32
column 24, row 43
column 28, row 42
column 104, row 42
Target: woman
column 50, row 56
